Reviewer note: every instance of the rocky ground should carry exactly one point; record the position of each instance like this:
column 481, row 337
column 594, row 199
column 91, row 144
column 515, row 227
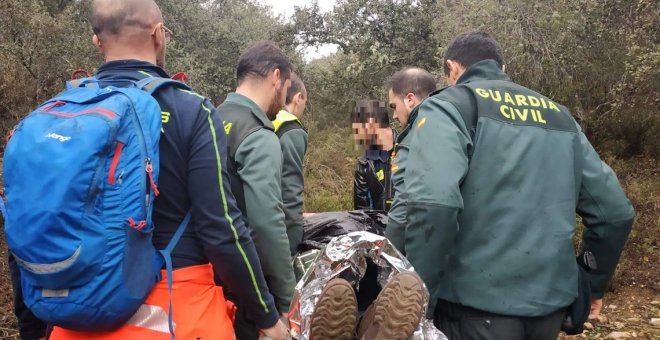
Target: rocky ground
column 628, row 313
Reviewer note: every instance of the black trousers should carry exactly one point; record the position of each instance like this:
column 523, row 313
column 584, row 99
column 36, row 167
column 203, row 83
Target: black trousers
column 243, row 327
column 459, row 322
column 368, row 287
column 29, row 327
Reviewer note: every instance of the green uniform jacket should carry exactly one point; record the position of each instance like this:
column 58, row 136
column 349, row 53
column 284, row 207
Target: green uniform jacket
column 256, row 162
column 293, row 139
column 397, row 219
column 495, row 175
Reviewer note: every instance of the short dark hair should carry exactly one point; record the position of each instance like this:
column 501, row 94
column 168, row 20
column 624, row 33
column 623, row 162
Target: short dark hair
column 260, row 59
column 375, row 109
column 297, row 86
column 412, row 80
column 472, row 47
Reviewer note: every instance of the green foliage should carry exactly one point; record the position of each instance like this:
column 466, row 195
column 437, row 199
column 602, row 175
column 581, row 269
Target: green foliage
column 210, row 37
column 329, row 168
column 640, row 261
column 600, row 58
column 628, row 124
column 46, row 40
column 376, row 37
column 33, row 64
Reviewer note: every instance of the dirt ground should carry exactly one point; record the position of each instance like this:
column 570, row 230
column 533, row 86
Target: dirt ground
column 627, row 314
column 628, row 311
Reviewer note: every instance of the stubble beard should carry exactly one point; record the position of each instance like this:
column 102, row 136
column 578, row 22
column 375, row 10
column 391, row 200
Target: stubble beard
column 275, row 104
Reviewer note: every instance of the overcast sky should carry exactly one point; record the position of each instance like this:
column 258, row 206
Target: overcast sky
column 285, row 8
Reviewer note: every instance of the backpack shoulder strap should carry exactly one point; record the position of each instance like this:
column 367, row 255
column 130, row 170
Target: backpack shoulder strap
column 167, row 256
column 178, row 233
column 90, row 82
column 152, row 84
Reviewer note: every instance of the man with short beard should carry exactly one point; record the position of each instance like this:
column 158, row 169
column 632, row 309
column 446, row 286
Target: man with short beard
column 406, row 89
column 255, row 166
column 495, row 175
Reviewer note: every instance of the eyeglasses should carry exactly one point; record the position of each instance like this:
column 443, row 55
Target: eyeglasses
column 168, row 32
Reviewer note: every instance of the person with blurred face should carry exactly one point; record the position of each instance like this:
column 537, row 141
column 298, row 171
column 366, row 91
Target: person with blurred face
column 371, row 130
column 255, row 169
column 406, row 89
column 375, row 310
column 132, row 37
column 293, row 139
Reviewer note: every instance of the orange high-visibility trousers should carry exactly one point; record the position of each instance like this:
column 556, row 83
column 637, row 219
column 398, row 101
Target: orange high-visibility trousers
column 199, row 311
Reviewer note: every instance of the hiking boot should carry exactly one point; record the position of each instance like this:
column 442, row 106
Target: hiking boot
column 336, row 312
column 397, row 311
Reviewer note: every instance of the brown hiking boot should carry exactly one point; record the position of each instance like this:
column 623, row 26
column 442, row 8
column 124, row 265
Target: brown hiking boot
column 336, row 312
column 396, row 312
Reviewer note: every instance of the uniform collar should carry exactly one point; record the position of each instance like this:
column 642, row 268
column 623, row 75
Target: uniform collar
column 285, row 116
column 129, row 70
column 483, row 70
column 240, row 99
column 375, row 155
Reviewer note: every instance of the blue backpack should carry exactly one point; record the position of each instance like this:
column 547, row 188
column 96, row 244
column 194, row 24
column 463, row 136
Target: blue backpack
column 80, row 176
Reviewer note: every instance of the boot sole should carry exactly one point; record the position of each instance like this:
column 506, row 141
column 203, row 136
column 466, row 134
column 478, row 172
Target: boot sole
column 398, row 309
column 336, row 313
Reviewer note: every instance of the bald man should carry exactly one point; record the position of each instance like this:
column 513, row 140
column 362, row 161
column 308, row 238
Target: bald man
column 132, row 37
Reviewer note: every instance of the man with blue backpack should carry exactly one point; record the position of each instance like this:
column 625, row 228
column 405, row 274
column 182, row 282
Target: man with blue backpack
column 108, row 253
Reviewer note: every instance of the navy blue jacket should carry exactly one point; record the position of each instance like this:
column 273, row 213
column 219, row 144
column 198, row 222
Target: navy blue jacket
column 193, row 175
column 372, row 187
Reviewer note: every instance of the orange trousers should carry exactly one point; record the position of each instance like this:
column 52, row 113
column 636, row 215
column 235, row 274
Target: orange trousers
column 199, row 311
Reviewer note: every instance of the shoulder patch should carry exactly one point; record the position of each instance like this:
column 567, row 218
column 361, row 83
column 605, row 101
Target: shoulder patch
column 227, row 126
column 421, row 122
column 381, row 175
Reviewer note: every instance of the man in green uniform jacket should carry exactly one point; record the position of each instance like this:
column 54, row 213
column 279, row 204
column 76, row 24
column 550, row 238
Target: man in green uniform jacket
column 406, row 90
column 293, row 139
column 255, row 167
column 495, row 175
